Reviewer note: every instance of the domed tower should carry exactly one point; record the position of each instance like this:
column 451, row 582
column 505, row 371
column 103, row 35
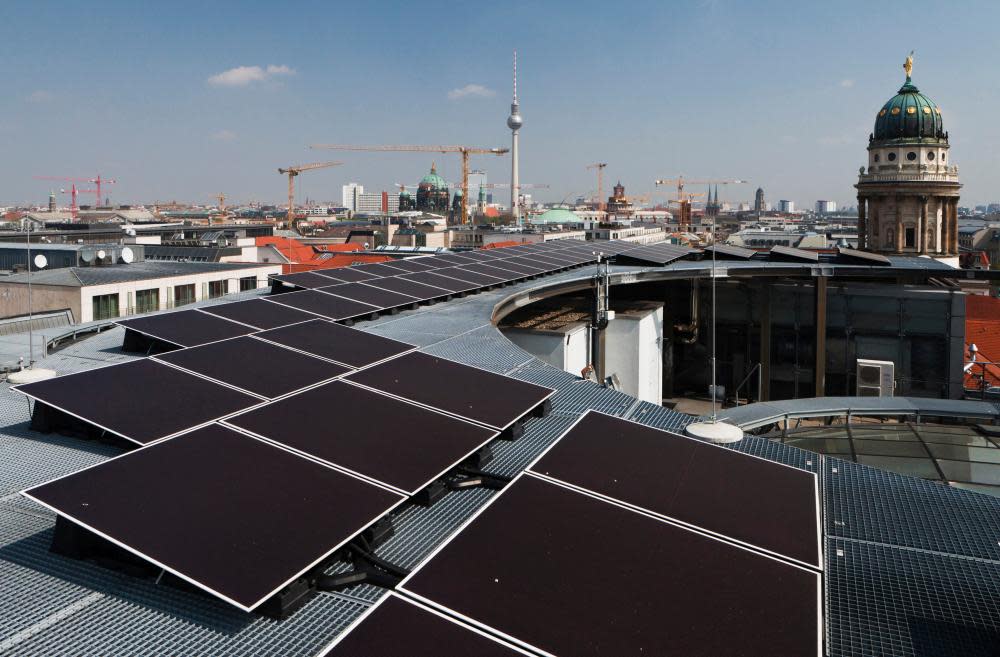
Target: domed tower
column 908, row 194
column 432, row 193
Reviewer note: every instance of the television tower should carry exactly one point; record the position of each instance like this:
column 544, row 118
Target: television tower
column 514, row 122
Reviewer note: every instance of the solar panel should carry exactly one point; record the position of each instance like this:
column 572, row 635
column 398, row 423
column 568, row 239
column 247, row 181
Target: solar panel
column 306, row 280
column 863, row 257
column 348, row 274
column 495, row 400
column 233, row 515
column 763, row 504
column 464, row 274
column 259, row 367
column 789, row 253
column 495, row 271
column 393, row 442
column 373, row 296
column 381, row 269
column 517, row 269
column 412, row 264
column 327, row 305
column 565, row 573
column 394, row 622
column 339, row 343
column 730, row 251
column 527, row 265
column 258, row 313
column 444, row 282
column 186, row 328
column 416, row 290
column 140, row 401
column 454, row 259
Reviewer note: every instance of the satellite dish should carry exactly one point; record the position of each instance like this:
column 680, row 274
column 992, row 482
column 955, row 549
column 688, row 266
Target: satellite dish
column 101, row 255
column 87, row 255
column 127, row 255
column 41, row 262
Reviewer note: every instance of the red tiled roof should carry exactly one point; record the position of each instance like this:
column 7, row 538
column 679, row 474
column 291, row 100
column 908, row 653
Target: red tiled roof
column 501, row 245
column 307, row 257
column 982, row 328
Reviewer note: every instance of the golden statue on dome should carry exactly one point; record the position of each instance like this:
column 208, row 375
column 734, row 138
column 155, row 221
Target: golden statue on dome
column 908, row 65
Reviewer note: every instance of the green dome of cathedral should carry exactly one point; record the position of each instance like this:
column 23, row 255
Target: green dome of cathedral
column 433, row 180
column 909, row 115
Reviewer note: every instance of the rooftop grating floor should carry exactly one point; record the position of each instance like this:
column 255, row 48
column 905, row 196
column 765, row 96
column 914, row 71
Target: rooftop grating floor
column 909, row 561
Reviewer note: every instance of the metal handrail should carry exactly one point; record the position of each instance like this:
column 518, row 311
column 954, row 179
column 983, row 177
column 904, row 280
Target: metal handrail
column 760, row 372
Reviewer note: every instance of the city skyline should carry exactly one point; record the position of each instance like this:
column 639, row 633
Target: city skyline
column 777, row 94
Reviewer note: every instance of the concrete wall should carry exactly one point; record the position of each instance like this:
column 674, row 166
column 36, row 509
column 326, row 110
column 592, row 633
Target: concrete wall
column 565, row 348
column 14, row 299
column 634, row 350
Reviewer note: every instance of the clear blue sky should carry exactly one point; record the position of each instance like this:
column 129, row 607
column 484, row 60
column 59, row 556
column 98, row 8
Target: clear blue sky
column 781, row 93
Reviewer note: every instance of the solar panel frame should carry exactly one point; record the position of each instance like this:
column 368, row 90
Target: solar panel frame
column 324, row 305
column 730, row 251
column 262, row 364
column 258, row 313
column 621, row 496
column 864, row 256
column 455, row 285
column 332, row 341
column 393, row 499
column 412, row 265
column 409, row 377
column 373, row 296
column 454, row 259
column 380, row 269
column 791, row 253
column 306, row 280
column 479, row 280
column 177, row 327
column 138, row 415
column 426, row 620
column 530, row 266
column 416, row 290
column 359, row 410
column 348, row 274
column 594, row 567
column 515, row 268
column 496, row 271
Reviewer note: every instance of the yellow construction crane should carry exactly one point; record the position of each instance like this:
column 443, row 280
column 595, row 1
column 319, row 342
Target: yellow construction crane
column 684, row 198
column 600, row 181
column 293, row 171
column 464, row 151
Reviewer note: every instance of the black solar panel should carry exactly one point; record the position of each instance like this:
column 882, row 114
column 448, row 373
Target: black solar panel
column 443, row 282
column 348, row 274
column 495, row 271
column 412, row 264
column 393, row 442
column 526, row 265
column 395, row 625
column 373, row 296
column 186, row 328
column 410, row 288
column 492, row 399
column 730, row 251
column 306, row 279
column 464, row 274
column 454, row 259
column 231, row 514
column 763, row 504
column 344, row 345
column 259, row 313
column 327, row 305
column 508, row 265
column 141, row 401
column 863, row 257
column 256, row 366
column 380, row 270
column 569, row 574
column 790, row 253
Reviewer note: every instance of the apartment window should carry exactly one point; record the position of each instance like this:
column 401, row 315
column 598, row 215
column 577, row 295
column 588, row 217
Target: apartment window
column 183, row 294
column 106, row 306
column 216, row 289
column 147, row 301
column 248, row 283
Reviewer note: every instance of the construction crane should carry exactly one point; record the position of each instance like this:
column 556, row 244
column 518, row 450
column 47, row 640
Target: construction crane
column 684, row 198
column 600, row 181
column 293, row 171
column 98, row 181
column 74, row 192
column 464, row 151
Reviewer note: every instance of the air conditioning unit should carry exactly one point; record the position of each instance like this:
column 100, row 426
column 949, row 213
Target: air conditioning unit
column 875, row 378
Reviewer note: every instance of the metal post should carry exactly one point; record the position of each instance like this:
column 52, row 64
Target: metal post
column 820, row 372
column 715, row 414
column 31, row 334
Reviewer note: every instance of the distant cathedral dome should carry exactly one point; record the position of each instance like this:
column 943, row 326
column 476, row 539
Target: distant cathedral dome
column 432, row 192
column 909, row 115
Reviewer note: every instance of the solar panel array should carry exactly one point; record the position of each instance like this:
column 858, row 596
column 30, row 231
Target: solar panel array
column 259, row 457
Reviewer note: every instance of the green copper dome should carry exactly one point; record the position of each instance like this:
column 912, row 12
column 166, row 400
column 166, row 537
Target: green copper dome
column 909, row 115
column 433, row 180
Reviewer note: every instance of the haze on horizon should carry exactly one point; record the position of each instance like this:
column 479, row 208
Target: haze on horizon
column 192, row 99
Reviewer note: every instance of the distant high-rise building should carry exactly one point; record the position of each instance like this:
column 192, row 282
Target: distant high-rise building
column 377, row 202
column 826, row 207
column 52, row 201
column 349, row 195
column 758, row 201
column 786, row 206
column 908, row 193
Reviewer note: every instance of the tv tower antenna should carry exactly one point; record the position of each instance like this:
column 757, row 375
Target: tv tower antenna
column 514, row 122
